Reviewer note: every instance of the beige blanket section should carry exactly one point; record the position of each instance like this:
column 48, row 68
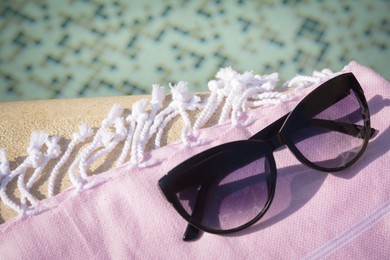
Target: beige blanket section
column 62, row 118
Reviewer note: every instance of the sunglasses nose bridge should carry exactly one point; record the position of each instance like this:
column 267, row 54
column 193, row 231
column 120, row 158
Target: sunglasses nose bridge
column 276, row 142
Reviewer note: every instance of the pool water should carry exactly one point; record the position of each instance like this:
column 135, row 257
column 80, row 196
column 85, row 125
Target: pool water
column 80, row 48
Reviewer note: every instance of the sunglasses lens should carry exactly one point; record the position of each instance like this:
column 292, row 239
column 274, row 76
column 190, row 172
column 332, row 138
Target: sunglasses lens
column 234, row 193
column 334, row 137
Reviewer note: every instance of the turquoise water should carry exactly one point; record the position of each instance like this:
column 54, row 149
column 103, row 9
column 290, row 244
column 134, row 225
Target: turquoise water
column 71, row 48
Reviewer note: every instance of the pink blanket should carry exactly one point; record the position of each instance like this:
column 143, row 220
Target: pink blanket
column 313, row 215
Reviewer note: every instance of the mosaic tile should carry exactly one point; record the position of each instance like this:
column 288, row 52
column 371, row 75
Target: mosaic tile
column 80, row 48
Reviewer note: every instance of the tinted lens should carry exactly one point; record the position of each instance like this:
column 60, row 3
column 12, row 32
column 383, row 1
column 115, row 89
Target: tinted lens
column 334, row 137
column 231, row 194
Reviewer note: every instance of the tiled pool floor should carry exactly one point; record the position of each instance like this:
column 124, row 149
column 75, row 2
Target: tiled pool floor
column 80, row 48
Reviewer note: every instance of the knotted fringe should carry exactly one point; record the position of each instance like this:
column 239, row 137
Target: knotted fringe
column 232, row 92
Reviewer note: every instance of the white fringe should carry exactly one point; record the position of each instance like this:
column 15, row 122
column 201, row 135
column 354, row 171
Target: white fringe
column 157, row 141
column 299, row 82
column 53, row 151
column 237, row 92
column 126, row 147
column 110, row 140
column 182, row 100
column 215, row 98
column 102, row 138
column 140, row 116
column 4, row 164
column 80, row 137
column 158, row 97
column 37, row 139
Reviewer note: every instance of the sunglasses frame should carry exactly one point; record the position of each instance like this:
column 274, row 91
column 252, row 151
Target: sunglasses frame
column 264, row 143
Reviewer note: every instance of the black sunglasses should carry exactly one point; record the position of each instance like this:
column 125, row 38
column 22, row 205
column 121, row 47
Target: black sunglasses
column 231, row 186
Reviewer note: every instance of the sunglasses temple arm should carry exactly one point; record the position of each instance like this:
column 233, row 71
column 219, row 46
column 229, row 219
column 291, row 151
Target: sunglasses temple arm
column 345, row 128
column 192, row 232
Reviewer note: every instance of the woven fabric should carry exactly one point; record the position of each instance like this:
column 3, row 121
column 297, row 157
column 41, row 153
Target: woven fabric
column 313, row 215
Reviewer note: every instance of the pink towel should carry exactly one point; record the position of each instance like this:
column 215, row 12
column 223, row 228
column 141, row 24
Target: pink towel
column 313, row 215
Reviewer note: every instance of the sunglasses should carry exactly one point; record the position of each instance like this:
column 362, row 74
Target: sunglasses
column 231, row 186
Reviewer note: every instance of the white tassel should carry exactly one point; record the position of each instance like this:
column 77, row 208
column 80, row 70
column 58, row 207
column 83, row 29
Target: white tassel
column 239, row 103
column 76, row 179
column 242, row 88
column 299, row 82
column 226, row 74
column 157, row 140
column 158, row 96
column 233, row 93
column 4, row 164
column 115, row 112
column 53, row 151
column 255, row 86
column 187, row 125
column 4, row 179
column 24, row 192
column 126, row 147
column 100, row 137
column 83, row 157
column 7, row 201
column 140, row 115
column 37, row 139
column 183, row 99
column 8, row 178
column 84, row 132
column 158, row 120
column 215, row 98
column 238, row 88
column 110, row 140
column 267, row 95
